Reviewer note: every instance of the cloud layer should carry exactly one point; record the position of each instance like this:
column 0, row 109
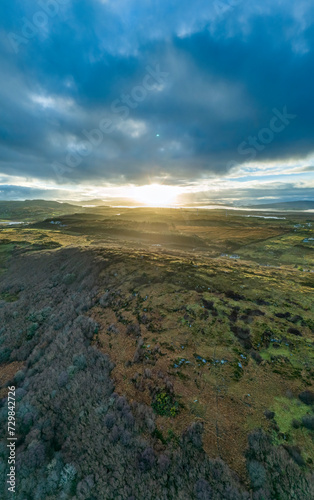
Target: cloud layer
column 97, row 92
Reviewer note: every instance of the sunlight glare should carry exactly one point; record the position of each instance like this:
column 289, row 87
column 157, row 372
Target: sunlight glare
column 155, row 195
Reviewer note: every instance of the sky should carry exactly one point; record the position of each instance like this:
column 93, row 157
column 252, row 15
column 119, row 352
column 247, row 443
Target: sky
column 206, row 101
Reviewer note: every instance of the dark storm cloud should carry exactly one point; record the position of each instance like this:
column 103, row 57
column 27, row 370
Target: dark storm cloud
column 8, row 192
column 239, row 196
column 307, row 169
column 229, row 65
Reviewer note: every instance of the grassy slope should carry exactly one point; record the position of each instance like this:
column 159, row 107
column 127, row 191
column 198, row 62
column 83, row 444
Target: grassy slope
column 190, row 307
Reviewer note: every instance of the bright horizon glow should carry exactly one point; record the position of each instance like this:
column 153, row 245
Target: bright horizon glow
column 155, row 195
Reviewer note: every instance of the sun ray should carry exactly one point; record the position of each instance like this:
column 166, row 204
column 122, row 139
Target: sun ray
column 155, row 195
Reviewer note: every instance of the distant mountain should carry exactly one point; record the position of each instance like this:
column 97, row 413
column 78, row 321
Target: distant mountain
column 106, row 203
column 38, row 203
column 287, row 205
column 31, row 203
column 82, row 203
column 34, row 210
column 97, row 202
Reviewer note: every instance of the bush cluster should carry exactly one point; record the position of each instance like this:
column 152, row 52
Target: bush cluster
column 164, row 404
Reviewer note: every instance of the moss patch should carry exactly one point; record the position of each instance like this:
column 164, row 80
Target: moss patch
column 286, row 410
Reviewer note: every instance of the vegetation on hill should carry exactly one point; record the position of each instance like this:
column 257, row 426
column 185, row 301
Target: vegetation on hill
column 33, row 210
column 156, row 372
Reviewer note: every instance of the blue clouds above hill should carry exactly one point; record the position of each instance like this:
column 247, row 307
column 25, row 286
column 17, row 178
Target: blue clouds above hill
column 123, row 91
